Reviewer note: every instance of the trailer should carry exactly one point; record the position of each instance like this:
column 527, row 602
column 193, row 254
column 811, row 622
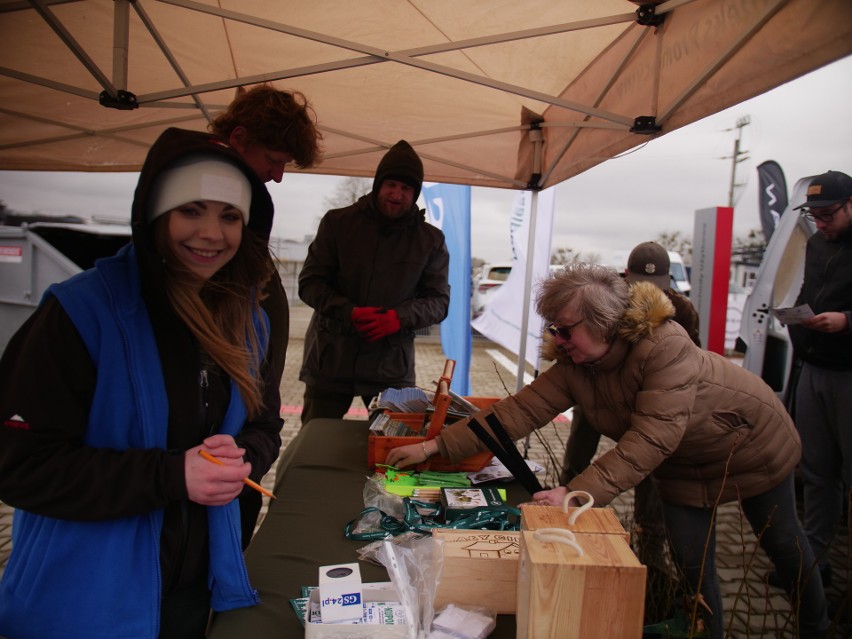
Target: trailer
column 34, row 256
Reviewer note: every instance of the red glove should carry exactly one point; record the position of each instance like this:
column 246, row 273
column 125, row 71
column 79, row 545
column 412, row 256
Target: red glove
column 382, row 324
column 361, row 314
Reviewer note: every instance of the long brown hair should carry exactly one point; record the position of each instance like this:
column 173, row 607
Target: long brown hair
column 221, row 314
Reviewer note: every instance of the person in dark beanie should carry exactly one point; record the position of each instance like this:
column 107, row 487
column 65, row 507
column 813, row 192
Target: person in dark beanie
column 400, row 163
column 822, row 347
column 375, row 273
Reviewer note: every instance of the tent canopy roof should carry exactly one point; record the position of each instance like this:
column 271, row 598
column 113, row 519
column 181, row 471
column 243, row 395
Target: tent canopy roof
column 501, row 93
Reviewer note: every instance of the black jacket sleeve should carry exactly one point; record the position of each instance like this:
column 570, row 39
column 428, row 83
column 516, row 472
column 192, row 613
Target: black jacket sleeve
column 45, row 467
column 261, row 436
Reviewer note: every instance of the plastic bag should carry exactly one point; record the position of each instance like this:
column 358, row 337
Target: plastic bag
column 414, row 567
column 375, row 496
column 370, row 551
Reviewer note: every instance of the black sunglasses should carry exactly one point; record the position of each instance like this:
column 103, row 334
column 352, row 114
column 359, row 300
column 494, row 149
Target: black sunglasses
column 562, row 331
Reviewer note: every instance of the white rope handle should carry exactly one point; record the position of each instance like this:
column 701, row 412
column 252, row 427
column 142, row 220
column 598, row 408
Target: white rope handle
column 590, row 501
column 559, row 536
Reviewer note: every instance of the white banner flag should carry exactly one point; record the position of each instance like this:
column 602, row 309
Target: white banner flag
column 502, row 318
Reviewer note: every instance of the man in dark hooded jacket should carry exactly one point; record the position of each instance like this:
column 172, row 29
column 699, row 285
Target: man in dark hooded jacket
column 375, row 273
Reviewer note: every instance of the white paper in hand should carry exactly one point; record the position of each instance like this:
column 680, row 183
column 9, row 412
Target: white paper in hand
column 793, row 314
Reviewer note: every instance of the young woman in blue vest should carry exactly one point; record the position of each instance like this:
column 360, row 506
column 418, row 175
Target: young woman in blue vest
column 110, row 390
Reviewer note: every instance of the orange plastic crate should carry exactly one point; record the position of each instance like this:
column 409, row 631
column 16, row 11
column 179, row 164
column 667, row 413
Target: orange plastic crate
column 378, row 446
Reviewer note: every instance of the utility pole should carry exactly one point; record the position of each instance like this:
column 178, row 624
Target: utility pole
column 736, row 157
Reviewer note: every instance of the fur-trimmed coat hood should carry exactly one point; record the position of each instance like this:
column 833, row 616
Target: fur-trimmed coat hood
column 648, row 309
column 705, row 428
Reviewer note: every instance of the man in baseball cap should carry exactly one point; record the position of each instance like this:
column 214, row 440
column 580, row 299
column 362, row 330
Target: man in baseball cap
column 832, row 187
column 823, row 345
column 827, row 204
column 649, row 262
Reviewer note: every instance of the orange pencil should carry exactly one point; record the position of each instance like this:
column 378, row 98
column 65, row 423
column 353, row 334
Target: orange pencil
column 246, row 481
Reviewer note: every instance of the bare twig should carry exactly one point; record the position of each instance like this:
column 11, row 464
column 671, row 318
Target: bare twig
column 698, row 597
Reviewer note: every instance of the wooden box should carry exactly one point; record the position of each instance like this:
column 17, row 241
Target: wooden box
column 562, row 595
column 593, row 520
column 480, row 569
column 379, row 446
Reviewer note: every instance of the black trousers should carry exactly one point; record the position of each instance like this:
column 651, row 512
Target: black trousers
column 320, row 403
column 184, row 613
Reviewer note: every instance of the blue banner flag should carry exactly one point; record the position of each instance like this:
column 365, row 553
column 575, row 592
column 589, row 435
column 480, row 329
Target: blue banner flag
column 448, row 208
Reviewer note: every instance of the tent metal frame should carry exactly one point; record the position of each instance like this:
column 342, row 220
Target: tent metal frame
column 116, row 91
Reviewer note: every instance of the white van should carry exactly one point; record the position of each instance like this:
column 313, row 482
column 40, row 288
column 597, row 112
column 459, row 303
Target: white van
column 763, row 339
column 677, row 270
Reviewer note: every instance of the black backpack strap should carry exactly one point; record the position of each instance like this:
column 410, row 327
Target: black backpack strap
column 506, row 452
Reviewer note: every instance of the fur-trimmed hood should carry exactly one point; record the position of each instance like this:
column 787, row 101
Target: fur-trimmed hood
column 648, row 309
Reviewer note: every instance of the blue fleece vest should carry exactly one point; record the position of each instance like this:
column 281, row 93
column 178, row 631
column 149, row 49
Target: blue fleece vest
column 68, row 579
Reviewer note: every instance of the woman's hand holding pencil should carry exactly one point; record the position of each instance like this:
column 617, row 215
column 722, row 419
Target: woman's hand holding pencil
column 246, row 480
column 215, row 472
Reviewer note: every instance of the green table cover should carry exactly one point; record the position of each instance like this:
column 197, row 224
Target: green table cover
column 319, row 488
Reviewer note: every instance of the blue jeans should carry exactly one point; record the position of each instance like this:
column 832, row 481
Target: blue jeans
column 773, row 519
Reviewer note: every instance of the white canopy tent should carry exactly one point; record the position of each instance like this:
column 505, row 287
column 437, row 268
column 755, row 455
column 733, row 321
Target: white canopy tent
column 501, row 93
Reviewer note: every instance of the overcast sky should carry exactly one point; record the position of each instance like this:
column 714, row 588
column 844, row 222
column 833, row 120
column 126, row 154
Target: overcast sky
column 803, row 125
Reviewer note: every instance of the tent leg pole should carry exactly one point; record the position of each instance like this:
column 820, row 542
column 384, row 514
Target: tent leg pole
column 522, row 349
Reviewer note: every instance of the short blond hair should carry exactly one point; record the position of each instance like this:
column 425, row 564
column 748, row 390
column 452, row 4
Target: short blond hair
column 598, row 294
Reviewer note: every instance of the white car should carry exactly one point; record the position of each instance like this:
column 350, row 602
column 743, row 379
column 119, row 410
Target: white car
column 491, row 276
column 679, row 276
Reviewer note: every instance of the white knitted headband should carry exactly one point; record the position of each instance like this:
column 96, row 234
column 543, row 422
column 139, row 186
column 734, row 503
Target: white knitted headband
column 200, row 178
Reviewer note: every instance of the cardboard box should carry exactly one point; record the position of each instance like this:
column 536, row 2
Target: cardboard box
column 383, row 591
column 562, row 595
column 340, row 593
column 593, row 520
column 480, row 569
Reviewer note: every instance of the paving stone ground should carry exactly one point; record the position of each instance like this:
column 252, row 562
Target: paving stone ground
column 752, row 608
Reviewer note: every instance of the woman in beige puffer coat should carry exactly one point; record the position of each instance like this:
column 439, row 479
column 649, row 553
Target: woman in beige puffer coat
column 705, row 429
